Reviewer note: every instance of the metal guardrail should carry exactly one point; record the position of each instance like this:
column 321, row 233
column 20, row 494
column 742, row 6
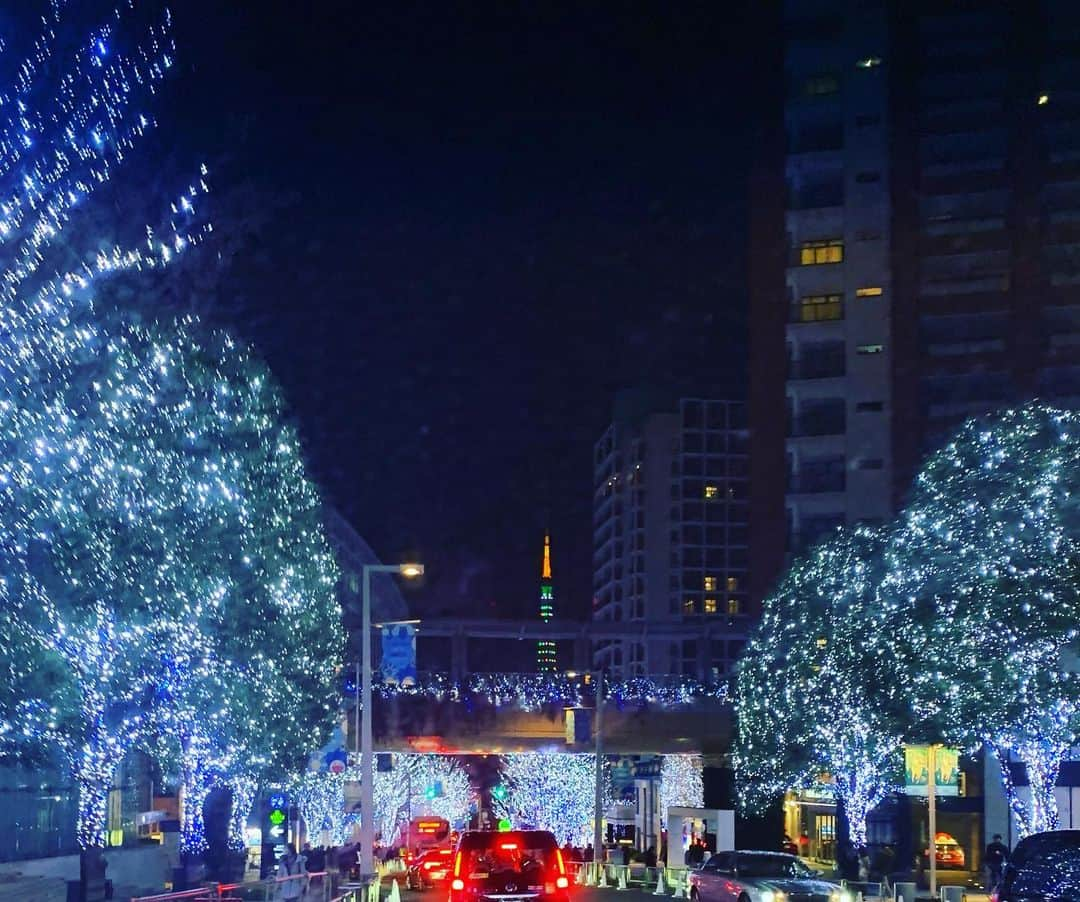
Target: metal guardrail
column 318, row 887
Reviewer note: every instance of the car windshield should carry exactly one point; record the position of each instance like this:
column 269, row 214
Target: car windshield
column 772, row 866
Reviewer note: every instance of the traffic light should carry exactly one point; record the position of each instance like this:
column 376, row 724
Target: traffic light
column 499, row 792
column 434, row 791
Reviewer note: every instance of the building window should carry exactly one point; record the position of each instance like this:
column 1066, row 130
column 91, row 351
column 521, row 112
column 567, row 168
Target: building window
column 712, row 492
column 869, row 406
column 710, row 605
column 688, row 606
column 733, row 606
column 869, row 291
column 869, row 349
column 733, row 584
column 821, row 85
column 867, row 121
column 817, row 308
column 813, row 253
column 868, row 62
column 867, row 178
column 710, row 583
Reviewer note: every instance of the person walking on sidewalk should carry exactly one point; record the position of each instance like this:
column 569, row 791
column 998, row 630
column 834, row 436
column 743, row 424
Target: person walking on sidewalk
column 295, row 866
column 997, row 853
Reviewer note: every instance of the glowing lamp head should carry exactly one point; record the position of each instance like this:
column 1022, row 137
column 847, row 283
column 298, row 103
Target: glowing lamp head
column 411, row 570
column 562, row 882
column 457, row 884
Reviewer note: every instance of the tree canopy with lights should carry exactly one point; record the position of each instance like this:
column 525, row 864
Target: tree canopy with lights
column 983, row 592
column 166, row 583
column 808, row 701
column 551, row 791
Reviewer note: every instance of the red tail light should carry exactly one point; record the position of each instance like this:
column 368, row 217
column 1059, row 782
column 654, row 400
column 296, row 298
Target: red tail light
column 562, row 882
column 457, row 884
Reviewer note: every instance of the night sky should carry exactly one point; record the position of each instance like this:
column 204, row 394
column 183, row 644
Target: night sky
column 454, row 230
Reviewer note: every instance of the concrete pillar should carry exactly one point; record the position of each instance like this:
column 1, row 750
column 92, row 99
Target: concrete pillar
column 459, row 656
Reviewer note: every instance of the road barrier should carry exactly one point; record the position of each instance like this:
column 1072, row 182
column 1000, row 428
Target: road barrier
column 319, row 887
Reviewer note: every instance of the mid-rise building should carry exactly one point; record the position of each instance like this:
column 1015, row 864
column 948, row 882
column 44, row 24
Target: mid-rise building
column 670, row 533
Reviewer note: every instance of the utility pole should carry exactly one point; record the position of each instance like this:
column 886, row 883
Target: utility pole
column 598, row 800
column 931, row 798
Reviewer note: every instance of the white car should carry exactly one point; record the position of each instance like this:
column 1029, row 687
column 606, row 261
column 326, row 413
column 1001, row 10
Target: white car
column 761, row 877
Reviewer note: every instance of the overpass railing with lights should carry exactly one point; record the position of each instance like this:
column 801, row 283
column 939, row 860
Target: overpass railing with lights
column 535, row 691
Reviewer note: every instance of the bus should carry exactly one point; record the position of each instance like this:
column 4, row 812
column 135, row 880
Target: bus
column 423, row 833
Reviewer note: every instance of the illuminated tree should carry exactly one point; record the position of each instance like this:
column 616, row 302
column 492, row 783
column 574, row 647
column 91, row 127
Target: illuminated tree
column 810, row 703
column 982, row 589
column 551, row 791
column 681, row 783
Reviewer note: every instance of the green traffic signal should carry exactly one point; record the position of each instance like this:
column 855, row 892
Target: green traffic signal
column 499, row 792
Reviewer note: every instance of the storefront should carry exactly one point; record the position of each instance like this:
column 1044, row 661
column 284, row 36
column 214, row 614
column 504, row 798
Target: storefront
column 810, row 823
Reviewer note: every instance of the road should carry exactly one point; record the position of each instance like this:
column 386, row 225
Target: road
column 577, row 894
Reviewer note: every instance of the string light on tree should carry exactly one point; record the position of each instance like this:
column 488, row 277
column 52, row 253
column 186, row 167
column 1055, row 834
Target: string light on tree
column 681, row 783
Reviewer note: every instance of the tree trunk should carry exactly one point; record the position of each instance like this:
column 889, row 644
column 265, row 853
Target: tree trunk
column 1042, row 761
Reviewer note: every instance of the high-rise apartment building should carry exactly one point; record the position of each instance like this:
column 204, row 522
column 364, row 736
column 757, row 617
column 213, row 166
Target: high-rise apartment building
column 670, row 533
column 916, row 247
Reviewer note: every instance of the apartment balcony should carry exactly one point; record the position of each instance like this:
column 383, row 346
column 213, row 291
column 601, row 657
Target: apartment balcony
column 831, row 365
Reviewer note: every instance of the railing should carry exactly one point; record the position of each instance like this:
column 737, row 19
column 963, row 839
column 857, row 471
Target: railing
column 316, row 887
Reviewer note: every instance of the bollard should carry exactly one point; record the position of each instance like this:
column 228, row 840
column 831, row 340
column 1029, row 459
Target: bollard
column 395, row 892
column 904, row 892
column 682, row 885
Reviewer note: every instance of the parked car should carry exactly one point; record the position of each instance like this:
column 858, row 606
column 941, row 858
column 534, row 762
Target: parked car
column 948, row 851
column 761, row 877
column 1044, row 866
column 429, row 869
column 517, row 864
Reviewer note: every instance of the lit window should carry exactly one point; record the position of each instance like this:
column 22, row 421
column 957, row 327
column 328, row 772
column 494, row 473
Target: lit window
column 871, row 291
column 821, row 85
column 868, row 62
column 869, row 349
column 710, row 605
column 733, row 606
column 817, row 308
column 688, row 606
column 733, row 584
column 1043, row 100
column 814, row 253
column 711, row 492
column 822, row 642
column 710, row 583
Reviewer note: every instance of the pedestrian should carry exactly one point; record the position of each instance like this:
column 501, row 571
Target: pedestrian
column 590, row 853
column 626, row 855
column 994, row 858
column 804, row 845
column 295, row 866
column 650, row 857
column 864, row 865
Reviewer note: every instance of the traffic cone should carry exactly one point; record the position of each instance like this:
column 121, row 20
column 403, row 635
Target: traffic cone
column 622, row 879
column 680, row 886
column 660, row 890
column 602, row 882
column 395, row 892
column 586, row 874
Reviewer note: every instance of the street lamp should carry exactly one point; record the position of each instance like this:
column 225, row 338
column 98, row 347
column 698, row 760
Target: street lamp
column 367, row 753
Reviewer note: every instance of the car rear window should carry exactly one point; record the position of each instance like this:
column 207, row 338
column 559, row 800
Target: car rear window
column 495, row 854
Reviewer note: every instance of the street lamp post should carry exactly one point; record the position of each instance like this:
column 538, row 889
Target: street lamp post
column 367, row 753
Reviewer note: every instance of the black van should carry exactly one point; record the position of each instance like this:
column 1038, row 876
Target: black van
column 1044, row 866
column 516, row 864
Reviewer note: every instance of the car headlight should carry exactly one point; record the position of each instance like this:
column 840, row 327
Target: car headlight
column 772, row 895
column 841, row 896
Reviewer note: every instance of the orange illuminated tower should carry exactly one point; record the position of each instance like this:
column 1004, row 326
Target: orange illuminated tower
column 546, row 659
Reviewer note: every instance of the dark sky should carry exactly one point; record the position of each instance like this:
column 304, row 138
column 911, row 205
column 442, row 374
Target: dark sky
column 469, row 225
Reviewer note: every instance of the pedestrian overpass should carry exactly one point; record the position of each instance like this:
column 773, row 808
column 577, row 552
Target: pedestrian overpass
column 509, row 712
